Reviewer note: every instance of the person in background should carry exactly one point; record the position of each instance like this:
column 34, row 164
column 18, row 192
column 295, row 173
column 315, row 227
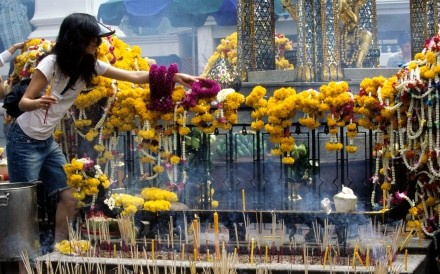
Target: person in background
column 403, row 56
column 70, row 67
column 5, row 56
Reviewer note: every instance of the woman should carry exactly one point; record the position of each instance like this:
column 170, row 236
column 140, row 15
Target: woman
column 32, row 152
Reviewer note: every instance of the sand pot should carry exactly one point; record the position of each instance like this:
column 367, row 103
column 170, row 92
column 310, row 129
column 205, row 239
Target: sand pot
column 19, row 226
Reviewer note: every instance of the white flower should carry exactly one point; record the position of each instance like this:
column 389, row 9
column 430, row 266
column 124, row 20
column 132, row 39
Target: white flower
column 98, row 171
column 222, row 94
column 110, row 202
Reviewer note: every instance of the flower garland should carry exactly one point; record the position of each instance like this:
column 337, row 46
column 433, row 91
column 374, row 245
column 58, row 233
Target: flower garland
column 86, row 178
column 205, row 88
column 228, row 49
column 341, row 103
column 311, row 103
column 157, row 199
column 282, row 43
column 256, row 100
column 33, row 50
column 232, row 102
column 128, row 203
column 281, row 108
column 74, row 247
column 161, row 87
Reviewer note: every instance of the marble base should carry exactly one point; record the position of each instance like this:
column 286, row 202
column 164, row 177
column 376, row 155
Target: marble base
column 416, row 264
column 354, row 74
column 271, row 76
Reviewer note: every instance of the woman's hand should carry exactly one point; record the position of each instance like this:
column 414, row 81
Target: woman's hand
column 186, row 79
column 46, row 101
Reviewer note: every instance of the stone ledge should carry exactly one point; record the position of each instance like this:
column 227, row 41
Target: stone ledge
column 352, row 74
column 268, row 76
column 288, row 76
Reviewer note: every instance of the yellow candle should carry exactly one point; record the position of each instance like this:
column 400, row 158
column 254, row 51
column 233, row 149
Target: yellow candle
column 252, row 251
column 390, row 257
column 406, row 259
column 406, row 239
column 152, row 249
column 196, row 236
column 183, row 252
column 266, row 254
column 354, row 256
column 384, row 199
column 216, row 230
column 359, row 258
column 243, row 199
column 114, row 250
column 367, row 257
column 215, row 223
column 325, row 256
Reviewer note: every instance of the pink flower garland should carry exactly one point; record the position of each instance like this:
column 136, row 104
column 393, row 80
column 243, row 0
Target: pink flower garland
column 161, row 88
column 204, row 88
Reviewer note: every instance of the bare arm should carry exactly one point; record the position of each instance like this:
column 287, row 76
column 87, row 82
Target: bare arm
column 143, row 77
column 29, row 102
column 15, row 47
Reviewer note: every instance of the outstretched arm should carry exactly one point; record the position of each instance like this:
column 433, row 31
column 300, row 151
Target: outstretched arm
column 15, row 47
column 143, row 77
column 6, row 55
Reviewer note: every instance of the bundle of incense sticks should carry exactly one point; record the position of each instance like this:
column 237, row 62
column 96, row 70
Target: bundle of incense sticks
column 226, row 264
column 127, row 229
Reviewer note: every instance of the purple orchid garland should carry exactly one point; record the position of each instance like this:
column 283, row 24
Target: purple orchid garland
column 204, row 88
column 161, row 87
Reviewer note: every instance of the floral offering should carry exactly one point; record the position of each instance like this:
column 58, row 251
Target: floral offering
column 86, row 178
column 157, row 199
column 77, row 247
column 129, row 204
column 228, row 49
column 33, row 50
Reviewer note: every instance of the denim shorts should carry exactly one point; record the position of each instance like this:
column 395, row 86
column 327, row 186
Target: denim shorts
column 30, row 160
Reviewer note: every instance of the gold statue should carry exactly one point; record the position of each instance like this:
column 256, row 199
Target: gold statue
column 355, row 41
column 291, row 9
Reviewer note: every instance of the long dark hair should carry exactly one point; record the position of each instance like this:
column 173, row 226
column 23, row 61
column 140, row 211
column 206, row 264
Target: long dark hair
column 76, row 32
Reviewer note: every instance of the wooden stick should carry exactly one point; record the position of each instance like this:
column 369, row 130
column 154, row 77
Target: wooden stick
column 403, row 244
column 172, row 232
column 406, row 259
column 325, row 256
column 236, row 236
column 26, row 262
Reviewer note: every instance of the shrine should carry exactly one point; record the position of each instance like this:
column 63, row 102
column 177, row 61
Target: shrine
column 286, row 157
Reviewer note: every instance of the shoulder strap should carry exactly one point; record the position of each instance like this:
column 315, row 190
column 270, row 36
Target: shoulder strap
column 65, row 89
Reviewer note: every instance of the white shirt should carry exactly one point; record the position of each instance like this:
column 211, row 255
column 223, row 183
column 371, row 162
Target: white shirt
column 32, row 122
column 5, row 56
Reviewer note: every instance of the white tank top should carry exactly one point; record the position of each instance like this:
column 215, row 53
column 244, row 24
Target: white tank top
column 32, row 122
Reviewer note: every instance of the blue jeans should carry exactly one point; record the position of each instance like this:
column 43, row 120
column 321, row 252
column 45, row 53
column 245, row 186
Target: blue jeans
column 31, row 160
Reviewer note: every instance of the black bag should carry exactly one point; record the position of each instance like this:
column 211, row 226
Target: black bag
column 11, row 100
